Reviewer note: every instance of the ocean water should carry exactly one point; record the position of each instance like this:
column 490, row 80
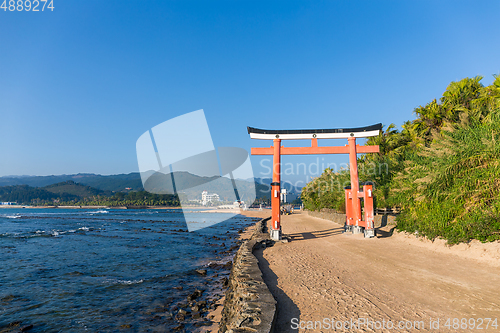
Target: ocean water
column 105, row 270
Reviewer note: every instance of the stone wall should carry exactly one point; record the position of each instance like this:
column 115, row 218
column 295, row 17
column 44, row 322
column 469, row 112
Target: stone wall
column 249, row 305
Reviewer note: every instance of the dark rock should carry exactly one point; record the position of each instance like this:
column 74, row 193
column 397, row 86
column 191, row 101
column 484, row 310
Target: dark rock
column 197, row 293
column 203, row 323
column 225, row 281
column 7, row 298
column 26, row 328
column 202, row 272
column 179, row 327
column 179, row 288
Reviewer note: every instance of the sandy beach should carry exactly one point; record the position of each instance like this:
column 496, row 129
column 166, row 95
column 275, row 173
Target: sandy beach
column 323, row 273
column 326, row 276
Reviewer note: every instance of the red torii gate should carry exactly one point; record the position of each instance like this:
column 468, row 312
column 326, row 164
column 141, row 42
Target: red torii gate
column 353, row 195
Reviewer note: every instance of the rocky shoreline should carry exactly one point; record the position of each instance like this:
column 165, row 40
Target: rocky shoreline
column 249, row 306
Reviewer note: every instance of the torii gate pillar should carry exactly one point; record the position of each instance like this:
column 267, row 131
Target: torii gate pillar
column 276, row 191
column 353, row 167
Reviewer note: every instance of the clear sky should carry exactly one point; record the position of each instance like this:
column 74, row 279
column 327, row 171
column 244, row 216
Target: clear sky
column 80, row 84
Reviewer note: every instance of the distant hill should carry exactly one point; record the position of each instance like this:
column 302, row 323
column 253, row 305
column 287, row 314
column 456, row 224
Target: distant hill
column 114, row 183
column 71, row 193
column 80, row 186
column 78, row 190
column 24, row 194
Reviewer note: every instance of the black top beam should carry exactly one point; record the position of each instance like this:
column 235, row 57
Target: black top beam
column 316, row 131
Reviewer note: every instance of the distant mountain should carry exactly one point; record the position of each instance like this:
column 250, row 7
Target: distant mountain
column 72, row 193
column 75, row 189
column 191, row 186
column 24, row 194
column 114, row 183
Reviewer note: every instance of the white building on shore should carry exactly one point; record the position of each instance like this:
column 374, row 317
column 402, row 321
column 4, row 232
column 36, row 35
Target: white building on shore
column 209, row 198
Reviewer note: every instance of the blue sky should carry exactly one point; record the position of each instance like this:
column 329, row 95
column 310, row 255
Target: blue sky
column 79, row 85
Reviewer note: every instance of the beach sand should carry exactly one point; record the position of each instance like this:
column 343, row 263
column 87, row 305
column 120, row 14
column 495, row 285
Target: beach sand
column 323, row 273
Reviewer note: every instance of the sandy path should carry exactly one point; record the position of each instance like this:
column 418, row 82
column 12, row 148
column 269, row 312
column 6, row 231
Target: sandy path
column 323, row 273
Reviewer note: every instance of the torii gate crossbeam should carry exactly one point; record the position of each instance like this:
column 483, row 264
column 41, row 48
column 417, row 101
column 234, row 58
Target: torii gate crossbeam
column 353, row 208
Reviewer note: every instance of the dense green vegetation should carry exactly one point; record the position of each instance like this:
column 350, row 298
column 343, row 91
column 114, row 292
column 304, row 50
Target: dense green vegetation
column 139, row 198
column 442, row 169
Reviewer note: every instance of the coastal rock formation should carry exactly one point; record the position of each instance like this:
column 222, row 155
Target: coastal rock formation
column 249, row 305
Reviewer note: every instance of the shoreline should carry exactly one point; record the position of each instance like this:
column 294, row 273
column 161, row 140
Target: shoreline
column 205, row 209
column 215, row 315
column 87, row 207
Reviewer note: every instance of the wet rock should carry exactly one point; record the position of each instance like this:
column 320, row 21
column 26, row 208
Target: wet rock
column 7, row 298
column 26, row 328
column 202, row 272
column 203, row 323
column 197, row 293
column 179, row 327
column 214, row 265
column 179, row 288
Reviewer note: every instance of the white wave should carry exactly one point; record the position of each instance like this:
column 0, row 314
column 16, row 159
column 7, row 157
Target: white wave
column 13, row 216
column 124, row 282
column 131, row 281
column 84, row 228
column 100, row 211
